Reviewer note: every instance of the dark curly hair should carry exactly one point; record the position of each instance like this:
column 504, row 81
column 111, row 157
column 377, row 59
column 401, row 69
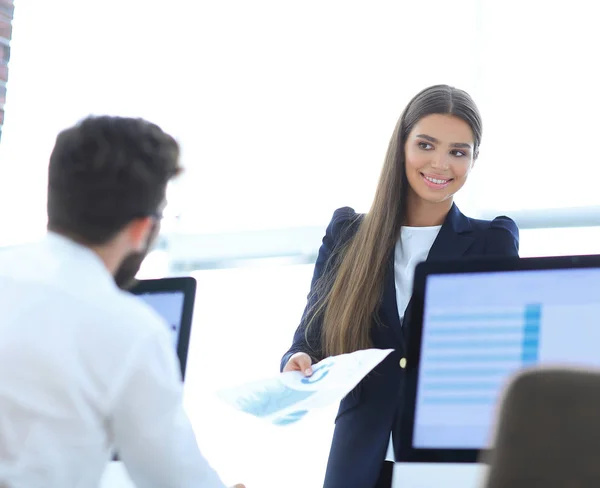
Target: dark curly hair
column 105, row 172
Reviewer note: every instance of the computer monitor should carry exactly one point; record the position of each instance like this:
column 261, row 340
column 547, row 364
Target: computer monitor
column 173, row 299
column 476, row 323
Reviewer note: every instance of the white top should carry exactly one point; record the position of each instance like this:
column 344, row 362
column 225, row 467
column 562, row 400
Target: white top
column 412, row 248
column 85, row 366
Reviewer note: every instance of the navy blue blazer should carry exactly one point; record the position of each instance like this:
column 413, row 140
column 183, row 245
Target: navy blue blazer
column 372, row 410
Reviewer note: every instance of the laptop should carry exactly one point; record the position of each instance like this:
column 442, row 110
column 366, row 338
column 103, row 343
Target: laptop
column 173, row 299
column 475, row 323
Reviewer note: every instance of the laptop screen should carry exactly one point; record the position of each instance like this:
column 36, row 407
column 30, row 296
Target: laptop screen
column 173, row 299
column 168, row 305
column 480, row 328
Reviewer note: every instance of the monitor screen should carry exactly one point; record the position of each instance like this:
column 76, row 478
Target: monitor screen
column 480, row 328
column 168, row 305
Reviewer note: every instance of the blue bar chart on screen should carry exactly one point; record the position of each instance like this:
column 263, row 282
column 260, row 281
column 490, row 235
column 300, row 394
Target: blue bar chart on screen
column 494, row 343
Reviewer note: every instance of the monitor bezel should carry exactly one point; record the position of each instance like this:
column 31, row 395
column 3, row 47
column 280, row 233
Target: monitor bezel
column 187, row 286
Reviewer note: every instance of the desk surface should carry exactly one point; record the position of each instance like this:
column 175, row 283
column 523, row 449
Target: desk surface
column 435, row 475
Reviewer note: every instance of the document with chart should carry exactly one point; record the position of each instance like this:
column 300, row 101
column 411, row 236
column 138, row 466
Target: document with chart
column 286, row 398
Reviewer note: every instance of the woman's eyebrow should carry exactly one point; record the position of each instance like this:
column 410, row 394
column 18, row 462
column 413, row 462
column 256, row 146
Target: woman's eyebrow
column 462, row 145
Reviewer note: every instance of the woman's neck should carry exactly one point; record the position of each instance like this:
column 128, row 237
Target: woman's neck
column 420, row 213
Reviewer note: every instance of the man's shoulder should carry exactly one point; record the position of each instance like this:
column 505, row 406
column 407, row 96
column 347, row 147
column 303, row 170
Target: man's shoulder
column 133, row 315
column 122, row 324
column 89, row 296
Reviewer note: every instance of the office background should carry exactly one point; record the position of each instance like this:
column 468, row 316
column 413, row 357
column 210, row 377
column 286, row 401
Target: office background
column 284, row 111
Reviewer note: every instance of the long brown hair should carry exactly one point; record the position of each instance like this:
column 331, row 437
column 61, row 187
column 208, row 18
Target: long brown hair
column 349, row 292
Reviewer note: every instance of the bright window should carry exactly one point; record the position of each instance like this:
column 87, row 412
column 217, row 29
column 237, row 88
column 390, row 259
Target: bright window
column 539, row 104
column 560, row 242
column 283, row 110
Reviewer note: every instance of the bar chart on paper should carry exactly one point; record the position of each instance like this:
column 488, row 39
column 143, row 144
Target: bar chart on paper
column 467, row 357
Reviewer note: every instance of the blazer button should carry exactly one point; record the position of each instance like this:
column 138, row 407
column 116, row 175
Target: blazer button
column 403, row 363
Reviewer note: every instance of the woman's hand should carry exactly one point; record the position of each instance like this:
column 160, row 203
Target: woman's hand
column 299, row 362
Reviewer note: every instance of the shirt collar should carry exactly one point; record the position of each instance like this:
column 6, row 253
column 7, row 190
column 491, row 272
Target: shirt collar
column 87, row 261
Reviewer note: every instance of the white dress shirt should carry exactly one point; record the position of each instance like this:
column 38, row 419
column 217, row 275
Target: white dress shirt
column 412, row 248
column 85, row 367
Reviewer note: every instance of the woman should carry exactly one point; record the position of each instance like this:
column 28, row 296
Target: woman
column 361, row 289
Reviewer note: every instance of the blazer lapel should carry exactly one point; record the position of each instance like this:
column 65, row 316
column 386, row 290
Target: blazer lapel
column 389, row 305
column 454, row 237
column 453, row 240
